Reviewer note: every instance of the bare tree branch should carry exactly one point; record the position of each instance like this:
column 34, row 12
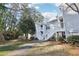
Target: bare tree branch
column 73, row 8
column 76, row 7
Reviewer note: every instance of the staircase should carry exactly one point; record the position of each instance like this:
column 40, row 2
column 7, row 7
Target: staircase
column 50, row 33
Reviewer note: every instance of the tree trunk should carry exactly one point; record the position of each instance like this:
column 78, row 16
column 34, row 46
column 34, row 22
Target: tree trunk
column 1, row 37
column 26, row 35
column 56, row 36
column 29, row 36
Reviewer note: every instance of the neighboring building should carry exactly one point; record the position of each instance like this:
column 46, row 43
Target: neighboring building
column 70, row 14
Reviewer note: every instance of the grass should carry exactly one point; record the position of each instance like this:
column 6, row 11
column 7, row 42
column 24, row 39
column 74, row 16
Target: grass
column 12, row 45
column 2, row 53
column 52, row 49
column 6, row 49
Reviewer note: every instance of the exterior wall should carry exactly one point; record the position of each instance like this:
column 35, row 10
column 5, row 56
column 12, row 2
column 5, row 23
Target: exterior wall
column 39, row 35
column 71, row 22
column 49, row 28
column 50, row 31
column 47, row 32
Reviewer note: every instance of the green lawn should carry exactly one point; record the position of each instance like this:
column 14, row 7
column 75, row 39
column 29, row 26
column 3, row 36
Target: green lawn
column 8, row 48
column 5, row 49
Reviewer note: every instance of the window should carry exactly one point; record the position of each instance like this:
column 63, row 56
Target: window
column 63, row 35
column 41, row 26
column 61, row 20
column 41, row 32
column 47, row 27
column 61, row 23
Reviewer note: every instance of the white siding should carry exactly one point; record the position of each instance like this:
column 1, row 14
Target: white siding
column 38, row 31
column 71, row 22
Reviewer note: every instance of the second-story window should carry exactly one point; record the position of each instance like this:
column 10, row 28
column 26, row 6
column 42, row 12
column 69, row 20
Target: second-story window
column 41, row 32
column 47, row 27
column 61, row 23
column 41, row 26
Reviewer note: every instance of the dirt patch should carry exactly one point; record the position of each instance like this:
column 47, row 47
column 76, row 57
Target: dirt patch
column 54, row 50
column 46, row 49
column 74, row 51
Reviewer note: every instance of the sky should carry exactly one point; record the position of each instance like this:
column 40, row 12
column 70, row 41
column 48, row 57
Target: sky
column 48, row 10
column 47, row 7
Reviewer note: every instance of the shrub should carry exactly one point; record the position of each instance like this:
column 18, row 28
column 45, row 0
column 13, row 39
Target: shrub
column 17, row 34
column 1, row 37
column 34, row 38
column 73, row 39
column 10, row 35
column 52, row 38
column 60, row 38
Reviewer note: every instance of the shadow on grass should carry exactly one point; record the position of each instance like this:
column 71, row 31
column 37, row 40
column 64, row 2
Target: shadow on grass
column 13, row 47
column 16, row 46
column 4, row 50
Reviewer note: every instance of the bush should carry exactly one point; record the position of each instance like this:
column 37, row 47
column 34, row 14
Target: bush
column 17, row 34
column 7, row 35
column 52, row 38
column 60, row 38
column 10, row 35
column 1, row 37
column 73, row 39
column 34, row 38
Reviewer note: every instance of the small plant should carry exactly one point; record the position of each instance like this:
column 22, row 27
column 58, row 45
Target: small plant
column 10, row 35
column 52, row 38
column 60, row 38
column 73, row 39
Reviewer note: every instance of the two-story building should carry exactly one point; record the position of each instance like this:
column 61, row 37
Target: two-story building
column 46, row 29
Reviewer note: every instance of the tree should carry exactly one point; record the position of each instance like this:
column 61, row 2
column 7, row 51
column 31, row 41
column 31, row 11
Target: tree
column 15, row 17
column 28, row 18
column 76, row 9
column 5, row 16
column 35, row 15
column 3, row 9
column 27, row 26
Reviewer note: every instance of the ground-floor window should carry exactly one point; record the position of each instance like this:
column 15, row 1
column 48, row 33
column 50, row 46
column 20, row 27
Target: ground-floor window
column 63, row 35
column 41, row 32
